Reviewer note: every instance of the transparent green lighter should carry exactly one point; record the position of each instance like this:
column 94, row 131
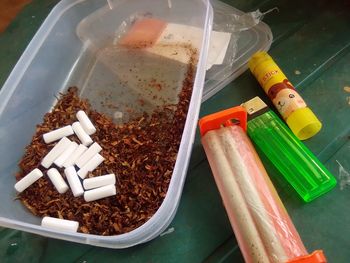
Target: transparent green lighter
column 287, row 153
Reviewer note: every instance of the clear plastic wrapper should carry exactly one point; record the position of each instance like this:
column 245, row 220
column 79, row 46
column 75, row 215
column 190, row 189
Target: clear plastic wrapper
column 225, row 20
column 263, row 228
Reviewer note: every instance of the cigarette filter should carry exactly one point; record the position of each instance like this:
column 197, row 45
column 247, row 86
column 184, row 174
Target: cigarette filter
column 299, row 166
column 264, row 231
column 59, row 224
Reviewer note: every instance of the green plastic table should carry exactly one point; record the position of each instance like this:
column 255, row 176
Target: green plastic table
column 312, row 46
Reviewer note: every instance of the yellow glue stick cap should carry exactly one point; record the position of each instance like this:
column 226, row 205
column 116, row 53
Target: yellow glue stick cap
column 303, row 123
column 258, row 58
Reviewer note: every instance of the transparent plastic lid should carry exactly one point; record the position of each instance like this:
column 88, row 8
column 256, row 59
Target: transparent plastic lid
column 244, row 42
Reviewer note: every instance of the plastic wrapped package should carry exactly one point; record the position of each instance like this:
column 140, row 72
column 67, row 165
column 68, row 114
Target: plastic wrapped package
column 263, row 228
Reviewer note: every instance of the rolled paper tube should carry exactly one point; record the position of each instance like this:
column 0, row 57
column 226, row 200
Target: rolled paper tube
column 241, row 220
column 231, row 155
column 240, row 153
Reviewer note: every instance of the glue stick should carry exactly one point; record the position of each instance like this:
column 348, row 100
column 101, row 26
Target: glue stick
column 300, row 119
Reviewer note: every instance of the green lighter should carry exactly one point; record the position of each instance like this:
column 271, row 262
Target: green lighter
column 287, row 153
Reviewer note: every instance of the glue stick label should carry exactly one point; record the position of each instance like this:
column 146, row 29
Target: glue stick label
column 285, row 98
column 276, row 85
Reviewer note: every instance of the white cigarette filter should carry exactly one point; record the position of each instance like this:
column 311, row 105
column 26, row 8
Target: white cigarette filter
column 74, row 181
column 75, row 155
column 82, row 135
column 99, row 181
column 57, row 180
column 87, row 155
column 60, row 224
column 90, row 165
column 58, row 134
column 66, row 153
column 55, row 152
column 28, row 180
column 85, row 122
column 99, row 193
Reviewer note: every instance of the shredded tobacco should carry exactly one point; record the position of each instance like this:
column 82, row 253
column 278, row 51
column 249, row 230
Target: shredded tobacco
column 142, row 154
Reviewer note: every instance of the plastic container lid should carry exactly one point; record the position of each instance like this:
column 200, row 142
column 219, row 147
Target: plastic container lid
column 257, row 38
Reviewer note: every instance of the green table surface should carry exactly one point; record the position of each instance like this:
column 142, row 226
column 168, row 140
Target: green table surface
column 312, row 45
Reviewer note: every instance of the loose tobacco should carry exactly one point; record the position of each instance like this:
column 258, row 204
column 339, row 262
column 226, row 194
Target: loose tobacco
column 142, row 154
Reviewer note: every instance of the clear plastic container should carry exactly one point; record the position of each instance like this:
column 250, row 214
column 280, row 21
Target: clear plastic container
column 60, row 56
